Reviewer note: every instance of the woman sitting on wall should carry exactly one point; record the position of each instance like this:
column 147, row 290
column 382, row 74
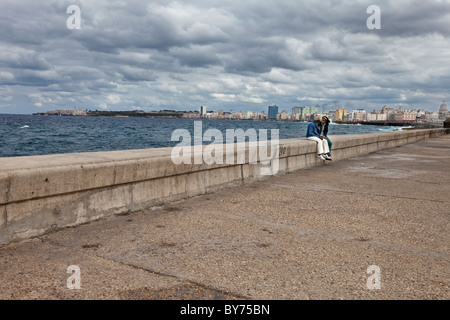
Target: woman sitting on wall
column 325, row 134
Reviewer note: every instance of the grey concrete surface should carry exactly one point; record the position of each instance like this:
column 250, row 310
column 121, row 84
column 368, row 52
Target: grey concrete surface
column 310, row 234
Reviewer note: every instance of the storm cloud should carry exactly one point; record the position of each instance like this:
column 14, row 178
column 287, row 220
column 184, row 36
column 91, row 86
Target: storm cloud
column 241, row 55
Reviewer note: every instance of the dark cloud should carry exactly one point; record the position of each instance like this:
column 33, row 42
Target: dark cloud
column 135, row 74
column 18, row 58
column 196, row 56
column 412, row 18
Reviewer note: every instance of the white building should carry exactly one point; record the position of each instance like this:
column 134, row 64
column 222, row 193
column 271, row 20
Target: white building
column 358, row 115
column 248, row 115
column 202, row 111
column 376, row 116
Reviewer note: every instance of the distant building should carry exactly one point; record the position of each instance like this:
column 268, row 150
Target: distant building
column 340, row 115
column 284, row 115
column 191, row 115
column 61, row 112
column 308, row 112
column 376, row 116
column 263, row 116
column 296, row 110
column 273, row 111
column 212, row 115
column 248, row 115
column 421, row 112
column 359, row 115
column 203, row 111
column 433, row 116
column 238, row 115
column 388, row 111
column 443, row 111
column 409, row 115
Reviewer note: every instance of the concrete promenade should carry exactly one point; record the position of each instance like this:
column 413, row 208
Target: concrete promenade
column 310, row 234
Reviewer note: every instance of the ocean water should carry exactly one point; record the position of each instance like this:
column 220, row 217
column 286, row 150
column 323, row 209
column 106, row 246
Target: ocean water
column 26, row 135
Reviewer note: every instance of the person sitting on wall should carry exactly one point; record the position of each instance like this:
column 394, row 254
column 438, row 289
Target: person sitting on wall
column 313, row 133
column 325, row 134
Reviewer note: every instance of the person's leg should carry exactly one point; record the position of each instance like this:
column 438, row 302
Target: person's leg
column 329, row 146
column 325, row 146
column 319, row 144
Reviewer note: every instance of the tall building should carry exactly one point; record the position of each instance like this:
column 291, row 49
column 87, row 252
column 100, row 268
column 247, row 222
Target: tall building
column 443, row 111
column 273, row 111
column 307, row 112
column 203, row 111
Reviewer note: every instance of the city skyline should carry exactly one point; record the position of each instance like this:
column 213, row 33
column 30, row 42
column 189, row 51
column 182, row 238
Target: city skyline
column 225, row 55
column 305, row 113
column 308, row 113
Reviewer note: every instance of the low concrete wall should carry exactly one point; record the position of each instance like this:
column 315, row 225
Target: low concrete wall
column 45, row 193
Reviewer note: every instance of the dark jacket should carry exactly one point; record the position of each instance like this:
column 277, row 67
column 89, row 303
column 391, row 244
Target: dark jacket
column 324, row 128
column 313, row 130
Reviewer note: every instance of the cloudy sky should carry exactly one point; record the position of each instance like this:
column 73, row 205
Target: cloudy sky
column 231, row 55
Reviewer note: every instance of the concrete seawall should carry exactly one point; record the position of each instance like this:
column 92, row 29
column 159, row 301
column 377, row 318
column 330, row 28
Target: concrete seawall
column 46, row 193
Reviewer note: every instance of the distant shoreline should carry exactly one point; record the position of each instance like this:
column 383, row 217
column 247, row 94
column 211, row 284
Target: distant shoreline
column 413, row 125
column 379, row 123
column 122, row 114
column 130, row 114
column 169, row 114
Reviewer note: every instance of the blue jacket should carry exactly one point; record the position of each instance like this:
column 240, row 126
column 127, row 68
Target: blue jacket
column 313, row 130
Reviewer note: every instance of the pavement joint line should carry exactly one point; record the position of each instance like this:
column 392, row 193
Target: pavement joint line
column 178, row 278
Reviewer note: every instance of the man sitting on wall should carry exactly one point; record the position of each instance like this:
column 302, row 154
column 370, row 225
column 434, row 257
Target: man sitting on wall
column 313, row 133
